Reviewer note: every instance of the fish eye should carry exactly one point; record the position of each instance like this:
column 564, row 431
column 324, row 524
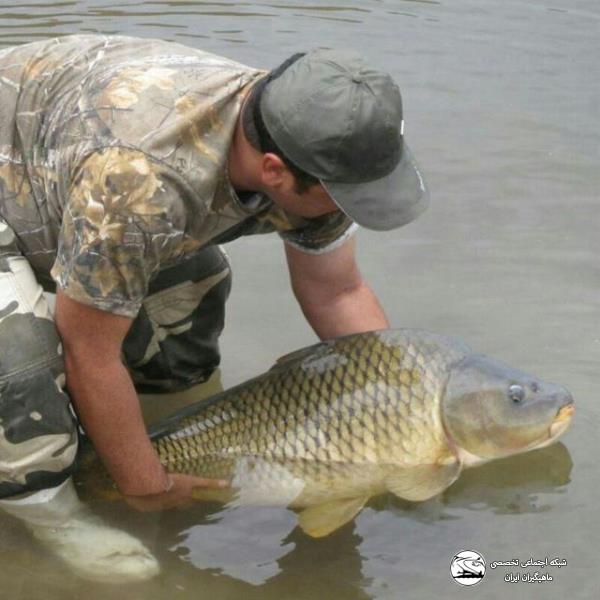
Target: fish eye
column 516, row 393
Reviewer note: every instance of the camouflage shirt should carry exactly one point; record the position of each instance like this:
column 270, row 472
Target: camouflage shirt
column 113, row 163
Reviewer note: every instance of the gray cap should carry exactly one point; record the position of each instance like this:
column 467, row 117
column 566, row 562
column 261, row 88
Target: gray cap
column 341, row 121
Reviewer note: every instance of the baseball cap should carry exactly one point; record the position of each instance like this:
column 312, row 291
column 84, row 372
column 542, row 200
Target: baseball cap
column 341, row 120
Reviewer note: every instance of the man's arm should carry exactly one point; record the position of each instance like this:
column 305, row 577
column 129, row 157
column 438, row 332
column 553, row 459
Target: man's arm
column 108, row 407
column 332, row 293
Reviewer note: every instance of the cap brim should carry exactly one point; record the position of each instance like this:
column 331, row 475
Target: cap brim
column 386, row 203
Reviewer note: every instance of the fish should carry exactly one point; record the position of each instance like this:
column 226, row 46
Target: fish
column 332, row 425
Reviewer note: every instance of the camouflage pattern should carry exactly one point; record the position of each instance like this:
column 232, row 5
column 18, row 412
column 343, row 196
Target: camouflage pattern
column 38, row 438
column 113, row 163
column 173, row 342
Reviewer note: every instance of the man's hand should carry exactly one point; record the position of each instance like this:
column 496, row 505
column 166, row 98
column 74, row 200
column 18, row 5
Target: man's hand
column 179, row 494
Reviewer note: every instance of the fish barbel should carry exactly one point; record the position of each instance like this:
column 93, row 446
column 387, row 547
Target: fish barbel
column 334, row 424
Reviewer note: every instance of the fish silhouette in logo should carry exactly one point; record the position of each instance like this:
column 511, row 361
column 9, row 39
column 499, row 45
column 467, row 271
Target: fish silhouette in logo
column 467, row 567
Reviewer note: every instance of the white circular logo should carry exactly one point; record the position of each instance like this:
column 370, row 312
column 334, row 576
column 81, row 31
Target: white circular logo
column 467, row 567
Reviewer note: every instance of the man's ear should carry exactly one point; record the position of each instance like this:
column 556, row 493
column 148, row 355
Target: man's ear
column 273, row 170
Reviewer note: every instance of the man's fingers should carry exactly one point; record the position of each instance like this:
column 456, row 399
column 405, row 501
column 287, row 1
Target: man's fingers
column 180, row 494
column 184, row 481
column 211, row 483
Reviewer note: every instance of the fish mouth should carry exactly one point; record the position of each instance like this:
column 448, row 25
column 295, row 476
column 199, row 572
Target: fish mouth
column 562, row 420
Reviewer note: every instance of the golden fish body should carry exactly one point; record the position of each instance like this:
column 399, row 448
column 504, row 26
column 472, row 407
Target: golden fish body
column 334, row 424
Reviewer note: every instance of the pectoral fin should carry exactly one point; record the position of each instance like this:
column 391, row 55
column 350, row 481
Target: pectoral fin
column 322, row 519
column 422, row 482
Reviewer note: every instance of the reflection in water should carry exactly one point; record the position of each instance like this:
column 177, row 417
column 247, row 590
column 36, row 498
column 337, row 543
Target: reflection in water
column 339, row 561
column 261, row 553
column 226, row 546
column 514, row 485
column 510, row 485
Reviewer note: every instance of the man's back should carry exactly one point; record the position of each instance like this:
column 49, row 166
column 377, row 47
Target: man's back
column 74, row 106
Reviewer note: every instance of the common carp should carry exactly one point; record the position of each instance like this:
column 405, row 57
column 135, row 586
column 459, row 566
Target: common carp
column 329, row 426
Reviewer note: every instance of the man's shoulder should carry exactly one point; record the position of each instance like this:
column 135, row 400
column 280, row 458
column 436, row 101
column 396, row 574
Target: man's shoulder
column 117, row 52
column 99, row 49
column 176, row 103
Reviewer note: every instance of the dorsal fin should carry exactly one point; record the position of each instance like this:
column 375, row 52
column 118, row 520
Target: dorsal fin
column 313, row 352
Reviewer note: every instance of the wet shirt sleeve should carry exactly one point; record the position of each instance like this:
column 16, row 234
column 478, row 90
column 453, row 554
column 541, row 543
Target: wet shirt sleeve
column 121, row 221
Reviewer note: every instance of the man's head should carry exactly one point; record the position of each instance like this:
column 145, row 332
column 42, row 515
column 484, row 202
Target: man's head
column 333, row 120
column 259, row 136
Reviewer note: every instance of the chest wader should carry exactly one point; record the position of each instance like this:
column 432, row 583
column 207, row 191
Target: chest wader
column 38, row 436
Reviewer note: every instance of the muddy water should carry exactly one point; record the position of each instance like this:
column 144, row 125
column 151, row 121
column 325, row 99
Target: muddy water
column 501, row 103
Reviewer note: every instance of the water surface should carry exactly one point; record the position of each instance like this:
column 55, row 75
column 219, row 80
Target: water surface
column 502, row 111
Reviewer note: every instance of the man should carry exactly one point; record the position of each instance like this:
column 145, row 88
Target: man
column 124, row 164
